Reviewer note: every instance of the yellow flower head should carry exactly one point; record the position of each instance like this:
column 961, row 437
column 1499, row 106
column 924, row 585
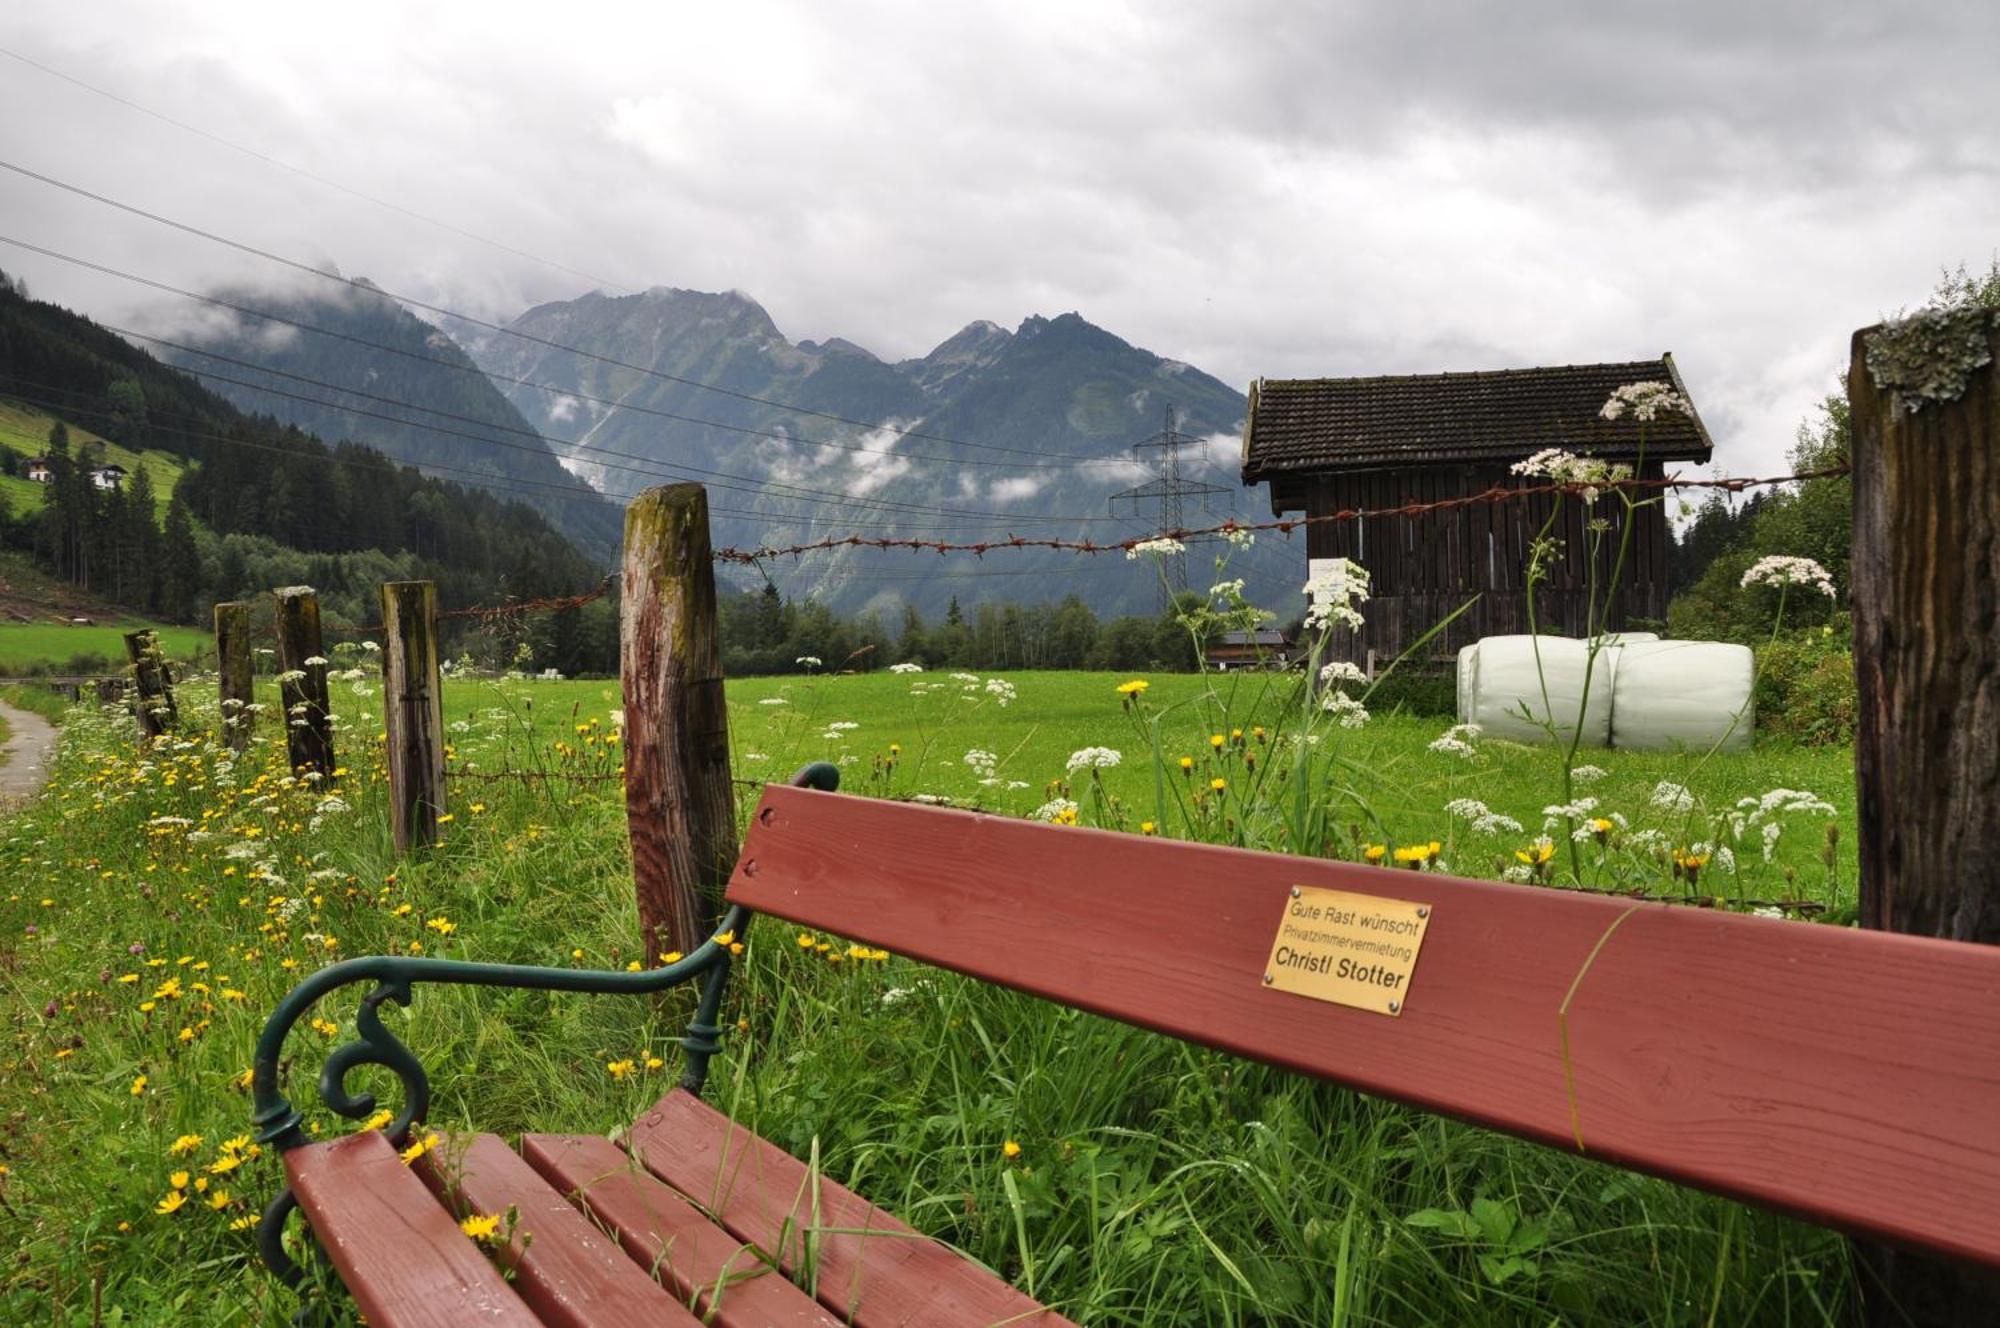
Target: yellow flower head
column 171, row 1204
column 179, row 1180
column 619, row 1069
column 806, row 940
column 225, row 1164
column 1010, row 1150
column 420, row 1147
column 184, row 1145
column 1216, row 740
column 219, row 1200
column 1218, row 784
column 138, row 1085
column 480, row 1226
column 1416, row 855
column 1148, row 828
column 1134, row 687
column 1536, row 853
column 724, row 937
column 1187, row 764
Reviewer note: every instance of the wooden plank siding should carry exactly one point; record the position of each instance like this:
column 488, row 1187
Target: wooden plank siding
column 1425, row 567
column 1850, row 1077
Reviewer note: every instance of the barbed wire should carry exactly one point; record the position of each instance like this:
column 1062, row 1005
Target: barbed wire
column 1494, row 496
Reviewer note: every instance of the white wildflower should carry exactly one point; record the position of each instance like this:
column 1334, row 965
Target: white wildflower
column 906, row 667
column 1224, row 588
column 1645, row 402
column 1093, row 758
column 1350, row 712
column 1340, row 671
column 982, row 762
column 1240, row 539
column 1457, row 741
column 1588, row 774
column 292, row 675
column 1334, row 591
column 1772, row 830
column 1767, row 912
column 1573, row 811
column 1783, row 802
column 1000, row 690
column 315, row 661
column 1590, row 473
column 931, row 799
column 1672, row 797
column 755, row 756
column 772, row 700
column 1054, row 808
column 1162, row 546
column 965, row 677
column 1484, row 819
column 1781, row 570
column 370, row 647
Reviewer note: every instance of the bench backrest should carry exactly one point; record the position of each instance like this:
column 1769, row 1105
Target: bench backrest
column 1850, row 1077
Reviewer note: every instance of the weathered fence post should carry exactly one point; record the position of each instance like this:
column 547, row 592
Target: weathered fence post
column 302, row 681
column 1926, row 414
column 152, row 683
column 679, row 804
column 235, row 679
column 412, row 712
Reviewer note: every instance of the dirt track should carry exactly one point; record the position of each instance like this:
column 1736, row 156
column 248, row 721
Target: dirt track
column 25, row 759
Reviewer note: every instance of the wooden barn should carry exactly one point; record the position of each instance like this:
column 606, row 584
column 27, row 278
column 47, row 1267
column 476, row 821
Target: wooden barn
column 1329, row 445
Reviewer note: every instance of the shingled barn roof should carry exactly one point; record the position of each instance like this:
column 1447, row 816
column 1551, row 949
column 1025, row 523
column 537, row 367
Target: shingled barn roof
column 1326, row 424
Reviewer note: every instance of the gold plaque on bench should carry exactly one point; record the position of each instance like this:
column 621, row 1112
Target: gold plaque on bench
column 1358, row 950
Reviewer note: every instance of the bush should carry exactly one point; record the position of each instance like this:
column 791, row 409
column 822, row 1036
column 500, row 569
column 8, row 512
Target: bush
column 1416, row 692
column 1805, row 687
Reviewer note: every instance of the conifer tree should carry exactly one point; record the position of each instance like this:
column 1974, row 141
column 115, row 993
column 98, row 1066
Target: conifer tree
column 180, row 564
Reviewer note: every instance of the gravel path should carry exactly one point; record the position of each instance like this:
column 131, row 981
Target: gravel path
column 25, row 759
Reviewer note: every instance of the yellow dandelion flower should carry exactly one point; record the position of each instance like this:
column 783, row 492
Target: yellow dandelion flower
column 480, row 1226
column 1218, row 784
column 806, row 941
column 138, row 1085
column 225, row 1164
column 1216, row 740
column 671, row 957
column 1010, row 1150
column 179, row 1180
column 1134, row 687
column 724, row 937
column 1148, row 828
column 1375, row 852
column 171, row 1204
column 654, row 1062
column 219, row 1200
column 245, row 1222
column 184, row 1145
column 419, row 1148
column 1187, row 764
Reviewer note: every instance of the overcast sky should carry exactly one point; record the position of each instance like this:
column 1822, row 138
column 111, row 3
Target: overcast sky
column 1276, row 189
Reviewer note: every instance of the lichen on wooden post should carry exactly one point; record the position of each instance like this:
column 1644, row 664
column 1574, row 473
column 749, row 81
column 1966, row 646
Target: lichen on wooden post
column 1925, row 398
column 302, row 690
column 153, row 684
column 235, row 678
column 412, row 711
column 679, row 802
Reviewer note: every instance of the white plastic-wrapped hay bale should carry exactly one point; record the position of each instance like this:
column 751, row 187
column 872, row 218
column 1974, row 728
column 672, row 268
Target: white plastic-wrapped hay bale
column 1513, row 673
column 1693, row 694
column 1468, row 674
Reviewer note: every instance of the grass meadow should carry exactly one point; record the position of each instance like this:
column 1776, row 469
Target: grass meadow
column 49, row 647
column 158, row 903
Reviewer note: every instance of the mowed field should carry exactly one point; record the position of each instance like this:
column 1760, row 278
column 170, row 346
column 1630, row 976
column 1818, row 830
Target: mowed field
column 42, row 647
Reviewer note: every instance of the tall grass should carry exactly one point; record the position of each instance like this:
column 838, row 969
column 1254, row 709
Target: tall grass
column 1155, row 1183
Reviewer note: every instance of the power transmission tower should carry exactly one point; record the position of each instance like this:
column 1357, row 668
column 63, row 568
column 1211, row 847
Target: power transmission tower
column 1168, row 493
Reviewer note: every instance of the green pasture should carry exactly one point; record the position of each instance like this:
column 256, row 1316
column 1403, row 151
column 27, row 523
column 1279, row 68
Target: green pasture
column 159, row 903
column 25, row 430
column 50, row 647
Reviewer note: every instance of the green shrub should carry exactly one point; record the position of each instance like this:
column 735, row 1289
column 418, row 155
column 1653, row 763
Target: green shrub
column 1805, row 687
column 1416, row 692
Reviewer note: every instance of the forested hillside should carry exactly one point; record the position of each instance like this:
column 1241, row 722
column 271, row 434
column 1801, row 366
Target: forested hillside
column 261, row 504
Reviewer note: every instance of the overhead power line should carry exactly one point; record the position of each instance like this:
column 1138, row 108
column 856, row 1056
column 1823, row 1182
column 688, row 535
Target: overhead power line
column 457, row 366
column 305, row 174
column 446, row 312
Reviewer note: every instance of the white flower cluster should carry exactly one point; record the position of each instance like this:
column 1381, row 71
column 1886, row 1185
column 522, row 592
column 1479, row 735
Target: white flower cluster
column 1457, row 741
column 906, row 667
column 837, row 728
column 1339, row 671
column 1222, row 588
column 1163, row 547
column 315, row 661
column 1350, row 712
column 772, row 700
column 1781, row 570
column 1000, row 690
column 1334, row 591
column 965, row 677
column 1645, row 402
column 1588, row 774
column 1093, row 758
column 1484, row 819
column 982, row 763
column 1588, row 831
column 1672, row 797
column 1591, row 473
column 1239, row 539
column 1053, row 808
column 1571, row 811
column 808, row 661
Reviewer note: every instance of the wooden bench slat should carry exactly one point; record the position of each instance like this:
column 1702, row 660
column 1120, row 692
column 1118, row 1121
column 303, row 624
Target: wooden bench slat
column 1850, row 1077
column 868, row 1268
column 569, row 1273
column 660, row 1230
column 399, row 1252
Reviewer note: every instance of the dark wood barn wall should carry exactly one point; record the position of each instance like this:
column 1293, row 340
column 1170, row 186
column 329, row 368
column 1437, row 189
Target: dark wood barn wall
column 1424, row 567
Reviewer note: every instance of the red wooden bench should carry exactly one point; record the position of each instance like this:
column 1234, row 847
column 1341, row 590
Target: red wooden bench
column 1849, row 1077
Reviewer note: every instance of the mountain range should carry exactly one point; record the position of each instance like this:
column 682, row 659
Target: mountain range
column 993, row 433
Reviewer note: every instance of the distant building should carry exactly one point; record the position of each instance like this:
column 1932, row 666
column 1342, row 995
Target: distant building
column 40, row 471
column 1265, row 648
column 1373, row 445
column 107, row 476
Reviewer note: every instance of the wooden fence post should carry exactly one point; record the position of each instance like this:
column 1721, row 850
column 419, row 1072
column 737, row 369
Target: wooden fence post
column 235, row 677
column 1925, row 398
column 302, row 682
column 153, row 684
column 679, row 805
column 412, row 712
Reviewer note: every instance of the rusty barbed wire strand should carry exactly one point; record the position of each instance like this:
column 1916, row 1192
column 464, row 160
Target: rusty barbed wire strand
column 1494, row 496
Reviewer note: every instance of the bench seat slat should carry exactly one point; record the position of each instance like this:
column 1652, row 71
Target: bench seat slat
column 1851, row 1077
column 397, row 1249
column 571, row 1274
column 660, row 1230
column 871, row 1270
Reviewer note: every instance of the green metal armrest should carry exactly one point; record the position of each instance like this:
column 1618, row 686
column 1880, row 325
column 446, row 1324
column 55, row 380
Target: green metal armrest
column 279, row 1123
